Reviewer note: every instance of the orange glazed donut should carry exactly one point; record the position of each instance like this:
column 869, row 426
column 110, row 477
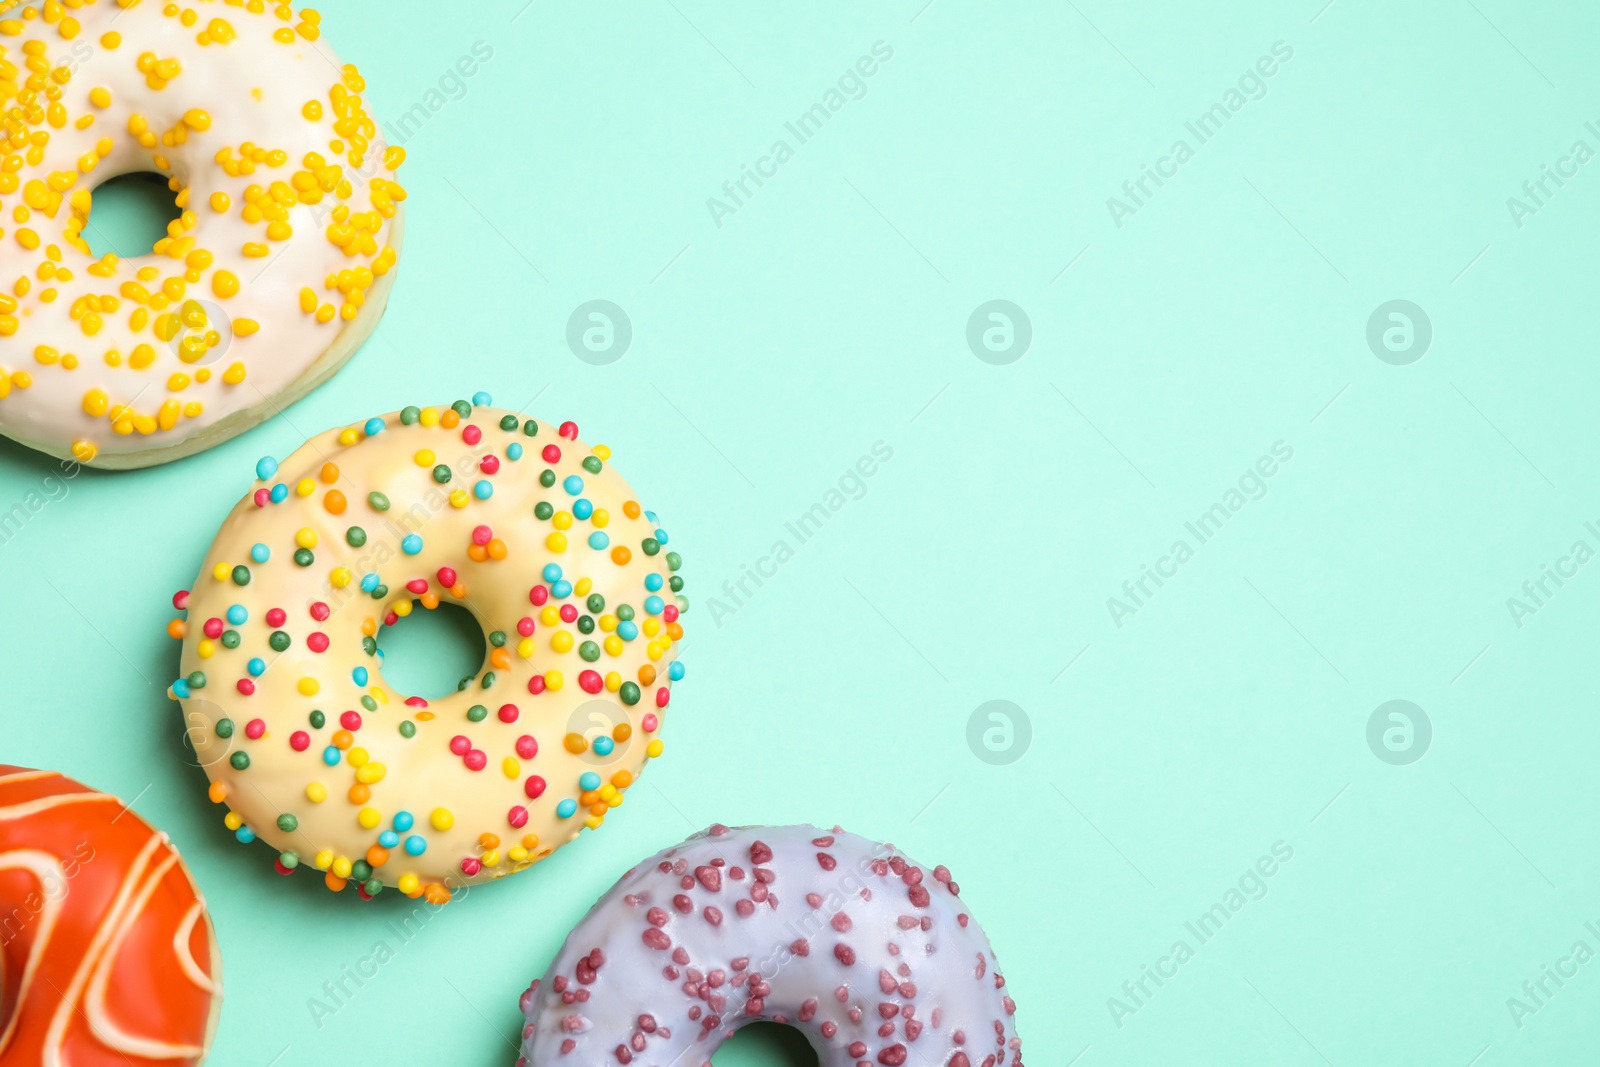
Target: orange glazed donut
column 107, row 956
column 277, row 269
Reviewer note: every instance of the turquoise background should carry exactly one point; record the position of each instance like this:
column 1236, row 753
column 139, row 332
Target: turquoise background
column 829, row 312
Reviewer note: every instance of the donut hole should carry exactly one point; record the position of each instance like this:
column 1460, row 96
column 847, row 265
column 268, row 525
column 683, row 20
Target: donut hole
column 428, row 653
column 766, row 1045
column 129, row 213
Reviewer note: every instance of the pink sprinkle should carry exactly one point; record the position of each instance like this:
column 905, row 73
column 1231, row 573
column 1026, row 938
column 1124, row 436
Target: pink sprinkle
column 525, row 626
column 489, row 464
column 245, row 686
column 475, row 760
column 447, row 576
column 669, row 613
column 590, row 681
column 470, row 866
column 662, row 696
column 551, row 454
column 213, row 628
column 460, row 745
column 509, row 713
column 317, row 642
column 180, row 599
column 416, row 702
column 471, row 434
column 569, row 430
column 276, row 616
column 534, row 787
column 299, row 740
column 538, row 595
column 482, row 535
column 350, row 720
column 262, row 497
column 254, row 729
column 569, row 613
column 390, row 619
column 417, row 586
column 319, row 611
column 517, row 817
column 649, row 723
column 536, row 684
column 527, row 747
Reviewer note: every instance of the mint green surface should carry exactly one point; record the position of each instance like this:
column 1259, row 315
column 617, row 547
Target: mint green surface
column 1172, row 746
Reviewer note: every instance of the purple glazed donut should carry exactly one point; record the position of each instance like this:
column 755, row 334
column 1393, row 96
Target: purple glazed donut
column 871, row 956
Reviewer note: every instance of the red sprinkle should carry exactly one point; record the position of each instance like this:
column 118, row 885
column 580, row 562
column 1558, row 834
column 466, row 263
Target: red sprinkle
column 299, row 740
column 319, row 611
column 509, row 712
column 276, row 617
column 447, row 576
column 317, row 642
column 551, row 453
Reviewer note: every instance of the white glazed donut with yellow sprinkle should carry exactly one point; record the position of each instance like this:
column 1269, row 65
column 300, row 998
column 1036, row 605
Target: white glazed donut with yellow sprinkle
column 313, row 751
column 277, row 269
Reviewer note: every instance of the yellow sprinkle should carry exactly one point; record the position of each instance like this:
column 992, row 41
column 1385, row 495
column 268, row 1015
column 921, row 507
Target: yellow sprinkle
column 441, row 819
column 308, row 687
column 306, row 537
column 425, row 458
column 316, row 792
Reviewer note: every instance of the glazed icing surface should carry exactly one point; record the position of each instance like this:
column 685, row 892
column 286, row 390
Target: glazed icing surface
column 289, row 218
column 513, row 519
column 873, row 957
column 107, row 955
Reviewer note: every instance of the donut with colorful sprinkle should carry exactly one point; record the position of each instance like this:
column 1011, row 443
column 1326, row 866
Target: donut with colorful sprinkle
column 107, row 955
column 311, row 749
column 872, row 957
column 276, row 269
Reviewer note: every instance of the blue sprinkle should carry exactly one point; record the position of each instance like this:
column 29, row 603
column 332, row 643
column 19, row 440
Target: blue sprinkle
column 359, row 675
column 603, row 745
column 582, row 508
column 279, row 494
column 369, row 582
column 257, row 667
column 514, row 451
column 330, row 756
column 415, row 845
column 403, row 821
column 260, row 553
column 651, row 516
column 552, row 571
column 561, row 590
column 653, row 582
column 389, row 839
column 627, row 630
column 653, row 605
column 675, row 672
column 266, row 467
column 483, row 490
column 588, row 781
column 373, row 427
column 245, row 835
column 180, row 688
column 573, row 485
column 598, row 540
column 566, row 808
column 661, row 535
column 411, row 545
column 482, row 400
column 237, row 614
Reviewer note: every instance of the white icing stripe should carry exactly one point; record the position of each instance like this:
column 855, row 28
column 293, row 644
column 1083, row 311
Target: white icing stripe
column 41, row 865
column 28, row 776
column 105, row 1028
column 108, row 923
column 186, row 960
column 34, row 807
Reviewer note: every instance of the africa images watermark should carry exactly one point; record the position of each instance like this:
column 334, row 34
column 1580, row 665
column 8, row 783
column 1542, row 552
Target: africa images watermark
column 1137, row 192
column 1537, row 592
column 1252, row 485
column 1536, row 193
column 852, row 85
column 1536, row 994
column 53, row 879
column 1251, row 886
column 451, row 86
column 51, row 489
column 850, row 486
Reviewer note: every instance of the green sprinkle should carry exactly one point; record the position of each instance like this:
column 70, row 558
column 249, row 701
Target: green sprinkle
column 288, row 823
column 304, row 557
column 377, row 501
column 596, row 603
column 650, row 545
column 675, row 583
column 625, row 612
column 629, row 693
column 372, row 886
column 241, row 575
column 488, row 679
column 586, row 624
column 355, row 537
column 279, row 641
column 441, row 473
column 369, row 645
column 674, row 561
column 592, row 464
column 230, row 639
column 240, row 760
column 289, row 860
column 318, row 720
column 462, row 408
column 224, row 728
column 498, row 639
column 368, row 702
column 508, row 422
column 530, row 428
column 477, row 713
column 361, row 870
column 197, row 680
column 408, row 729
column 410, row 414
column 543, row 510
column 547, row 478
column 589, row 651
